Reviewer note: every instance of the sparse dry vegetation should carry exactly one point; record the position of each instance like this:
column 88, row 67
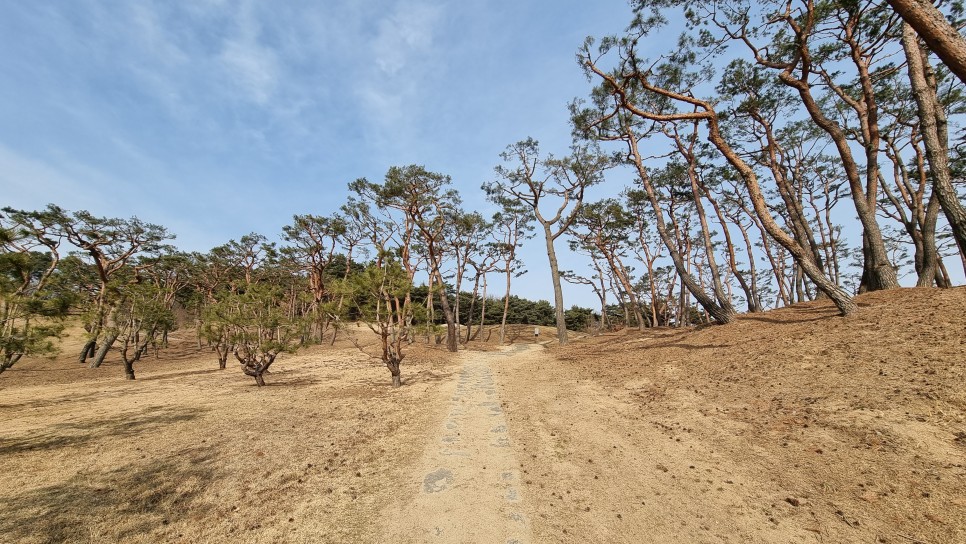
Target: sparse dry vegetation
column 778, row 427
column 798, row 160
column 188, row 453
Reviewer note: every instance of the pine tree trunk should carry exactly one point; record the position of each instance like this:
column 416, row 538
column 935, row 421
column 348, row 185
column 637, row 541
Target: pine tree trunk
column 102, row 352
column 222, row 356
column 878, row 273
column 557, row 291
column 506, row 305
column 842, row 300
column 452, row 342
column 618, row 269
column 89, row 349
column 719, row 293
column 482, row 310
column 732, row 259
column 469, row 319
column 395, row 372
column 721, row 315
column 933, row 125
column 941, row 37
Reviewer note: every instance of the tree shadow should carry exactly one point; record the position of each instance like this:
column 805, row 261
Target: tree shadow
column 44, row 402
column 43, row 369
column 657, row 338
column 426, row 376
column 129, row 502
column 803, row 313
column 763, row 319
column 281, row 380
column 687, row 346
column 79, row 433
column 166, row 375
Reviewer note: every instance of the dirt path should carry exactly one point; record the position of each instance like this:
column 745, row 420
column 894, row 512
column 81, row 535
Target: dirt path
column 466, row 488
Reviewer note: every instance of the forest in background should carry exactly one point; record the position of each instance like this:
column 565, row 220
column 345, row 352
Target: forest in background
column 756, row 143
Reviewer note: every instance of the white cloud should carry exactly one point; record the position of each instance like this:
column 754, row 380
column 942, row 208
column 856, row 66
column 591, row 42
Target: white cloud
column 154, row 36
column 393, row 91
column 252, row 68
column 32, row 184
column 382, row 105
column 406, row 32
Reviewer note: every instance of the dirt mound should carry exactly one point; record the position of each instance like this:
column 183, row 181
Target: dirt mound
column 793, row 425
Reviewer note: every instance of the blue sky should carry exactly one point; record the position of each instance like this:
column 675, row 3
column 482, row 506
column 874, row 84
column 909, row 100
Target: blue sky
column 218, row 118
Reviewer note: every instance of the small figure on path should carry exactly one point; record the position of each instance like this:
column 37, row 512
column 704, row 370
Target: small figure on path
column 536, row 332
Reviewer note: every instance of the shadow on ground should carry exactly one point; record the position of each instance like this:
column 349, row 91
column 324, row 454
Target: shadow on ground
column 424, row 376
column 75, row 434
column 129, row 502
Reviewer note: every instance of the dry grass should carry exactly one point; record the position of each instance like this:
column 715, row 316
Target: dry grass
column 790, row 426
column 188, row 453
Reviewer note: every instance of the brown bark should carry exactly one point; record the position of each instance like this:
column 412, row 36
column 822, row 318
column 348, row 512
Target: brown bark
column 719, row 293
column 753, row 305
column 223, row 351
column 565, row 180
column 933, row 124
column 452, row 338
column 878, row 271
column 508, row 240
column 256, row 368
column 930, row 254
column 752, row 269
column 941, row 37
column 620, row 272
column 842, row 300
column 704, row 110
column 89, row 349
column 102, row 352
column 482, row 309
column 920, row 223
column 649, row 260
column 469, row 320
column 775, row 262
column 557, row 290
column 506, row 306
column 601, row 291
column 778, row 165
column 721, row 315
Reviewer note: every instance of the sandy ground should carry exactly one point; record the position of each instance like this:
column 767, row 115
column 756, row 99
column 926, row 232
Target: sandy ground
column 188, row 453
column 789, row 426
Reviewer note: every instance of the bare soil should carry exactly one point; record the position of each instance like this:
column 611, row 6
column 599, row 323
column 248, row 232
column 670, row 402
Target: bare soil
column 789, row 426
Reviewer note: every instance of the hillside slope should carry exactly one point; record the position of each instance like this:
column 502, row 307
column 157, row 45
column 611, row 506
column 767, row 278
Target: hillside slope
column 793, row 425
